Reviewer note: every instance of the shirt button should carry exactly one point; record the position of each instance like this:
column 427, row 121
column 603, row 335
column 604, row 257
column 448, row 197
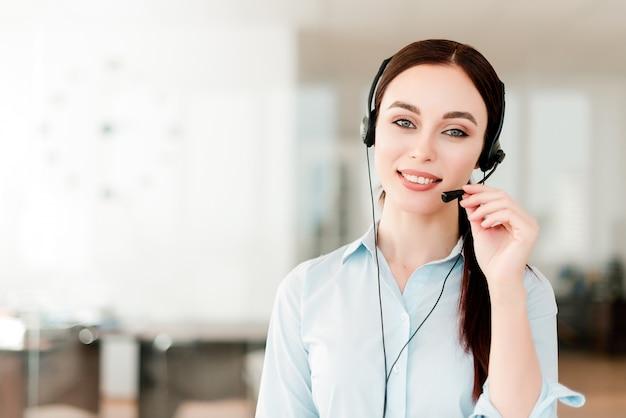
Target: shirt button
column 396, row 371
column 405, row 317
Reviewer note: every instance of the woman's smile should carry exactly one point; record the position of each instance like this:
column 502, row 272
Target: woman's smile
column 417, row 183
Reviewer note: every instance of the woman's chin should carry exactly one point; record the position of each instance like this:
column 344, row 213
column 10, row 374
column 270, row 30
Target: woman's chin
column 426, row 205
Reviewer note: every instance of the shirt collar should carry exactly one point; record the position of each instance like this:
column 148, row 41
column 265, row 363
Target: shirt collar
column 367, row 240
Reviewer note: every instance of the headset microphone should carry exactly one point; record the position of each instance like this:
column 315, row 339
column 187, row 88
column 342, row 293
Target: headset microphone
column 451, row 195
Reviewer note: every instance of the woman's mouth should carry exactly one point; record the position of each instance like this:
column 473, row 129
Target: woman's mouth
column 417, row 183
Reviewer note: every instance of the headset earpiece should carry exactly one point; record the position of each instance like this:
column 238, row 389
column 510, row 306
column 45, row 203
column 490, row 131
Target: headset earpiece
column 364, row 130
column 493, row 154
column 368, row 123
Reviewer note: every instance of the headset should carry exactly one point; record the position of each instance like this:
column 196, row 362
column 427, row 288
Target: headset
column 490, row 157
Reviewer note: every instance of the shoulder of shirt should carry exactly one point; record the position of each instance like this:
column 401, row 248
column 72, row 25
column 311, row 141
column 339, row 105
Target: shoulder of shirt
column 315, row 270
column 540, row 298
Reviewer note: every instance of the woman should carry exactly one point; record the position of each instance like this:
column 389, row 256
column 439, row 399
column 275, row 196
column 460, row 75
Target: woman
column 341, row 344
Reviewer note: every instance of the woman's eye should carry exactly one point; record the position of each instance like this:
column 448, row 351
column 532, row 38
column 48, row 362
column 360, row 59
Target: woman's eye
column 404, row 123
column 456, row 132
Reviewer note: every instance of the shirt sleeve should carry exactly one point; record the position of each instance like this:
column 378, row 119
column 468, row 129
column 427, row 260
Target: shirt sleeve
column 542, row 311
column 285, row 387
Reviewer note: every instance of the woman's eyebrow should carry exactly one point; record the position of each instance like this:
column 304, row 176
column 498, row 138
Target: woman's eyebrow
column 449, row 115
column 459, row 114
column 406, row 106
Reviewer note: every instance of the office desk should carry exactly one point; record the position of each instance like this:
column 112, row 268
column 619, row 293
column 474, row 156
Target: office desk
column 60, row 370
column 193, row 362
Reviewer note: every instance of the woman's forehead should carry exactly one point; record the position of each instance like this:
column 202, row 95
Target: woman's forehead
column 435, row 87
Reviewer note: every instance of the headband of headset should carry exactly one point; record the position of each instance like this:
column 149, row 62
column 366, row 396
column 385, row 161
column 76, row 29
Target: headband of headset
column 491, row 154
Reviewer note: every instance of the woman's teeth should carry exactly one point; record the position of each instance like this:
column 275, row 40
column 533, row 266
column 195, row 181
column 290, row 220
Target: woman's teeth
column 419, row 180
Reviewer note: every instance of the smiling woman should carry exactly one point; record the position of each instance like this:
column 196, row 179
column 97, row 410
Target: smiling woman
column 436, row 117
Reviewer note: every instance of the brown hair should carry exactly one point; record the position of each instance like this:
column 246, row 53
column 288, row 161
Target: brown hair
column 474, row 303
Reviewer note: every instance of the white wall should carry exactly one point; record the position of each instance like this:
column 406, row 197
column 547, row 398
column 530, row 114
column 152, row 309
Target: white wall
column 144, row 160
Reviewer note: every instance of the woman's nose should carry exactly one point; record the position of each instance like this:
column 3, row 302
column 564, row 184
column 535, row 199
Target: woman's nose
column 423, row 146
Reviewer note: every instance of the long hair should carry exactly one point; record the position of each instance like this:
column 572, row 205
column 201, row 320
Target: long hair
column 474, row 301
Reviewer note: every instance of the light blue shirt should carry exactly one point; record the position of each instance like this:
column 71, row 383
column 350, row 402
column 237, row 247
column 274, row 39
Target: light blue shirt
column 324, row 356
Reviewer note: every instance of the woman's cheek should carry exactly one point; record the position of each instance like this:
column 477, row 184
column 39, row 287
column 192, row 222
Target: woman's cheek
column 382, row 158
column 462, row 160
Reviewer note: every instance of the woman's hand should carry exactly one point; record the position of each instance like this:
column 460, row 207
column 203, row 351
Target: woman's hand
column 504, row 234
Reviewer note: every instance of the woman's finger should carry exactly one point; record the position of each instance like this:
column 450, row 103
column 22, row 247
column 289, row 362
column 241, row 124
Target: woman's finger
column 473, row 222
column 482, row 197
column 475, row 188
column 489, row 207
column 507, row 216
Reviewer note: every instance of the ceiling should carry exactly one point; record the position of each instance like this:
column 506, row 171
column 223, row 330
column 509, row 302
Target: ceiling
column 558, row 36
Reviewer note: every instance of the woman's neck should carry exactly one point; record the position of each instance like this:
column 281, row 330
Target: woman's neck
column 411, row 240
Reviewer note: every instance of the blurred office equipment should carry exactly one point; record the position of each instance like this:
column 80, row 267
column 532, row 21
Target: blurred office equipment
column 198, row 369
column 592, row 310
column 54, row 373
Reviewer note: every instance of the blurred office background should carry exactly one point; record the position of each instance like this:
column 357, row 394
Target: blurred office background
column 164, row 164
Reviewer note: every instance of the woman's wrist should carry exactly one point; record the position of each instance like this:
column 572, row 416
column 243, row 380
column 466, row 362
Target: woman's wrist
column 507, row 293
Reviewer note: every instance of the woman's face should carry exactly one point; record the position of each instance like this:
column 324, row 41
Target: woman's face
column 431, row 119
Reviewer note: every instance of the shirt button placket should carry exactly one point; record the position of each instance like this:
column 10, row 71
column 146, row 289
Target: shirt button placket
column 405, row 320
